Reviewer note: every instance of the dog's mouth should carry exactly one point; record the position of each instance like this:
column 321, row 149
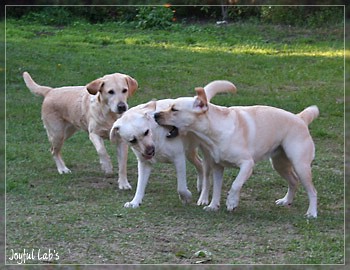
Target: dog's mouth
column 174, row 132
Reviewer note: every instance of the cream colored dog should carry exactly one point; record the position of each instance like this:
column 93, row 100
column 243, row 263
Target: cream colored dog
column 93, row 108
column 242, row 136
column 152, row 143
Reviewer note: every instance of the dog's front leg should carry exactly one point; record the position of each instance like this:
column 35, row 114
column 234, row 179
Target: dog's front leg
column 218, row 172
column 184, row 194
column 207, row 166
column 122, row 156
column 245, row 171
column 105, row 160
column 194, row 158
column 144, row 171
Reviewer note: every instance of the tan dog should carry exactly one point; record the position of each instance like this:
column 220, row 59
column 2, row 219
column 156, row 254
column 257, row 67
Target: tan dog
column 242, row 136
column 152, row 143
column 93, row 108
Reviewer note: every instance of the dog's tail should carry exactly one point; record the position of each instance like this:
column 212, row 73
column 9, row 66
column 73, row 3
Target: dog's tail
column 34, row 87
column 219, row 86
column 309, row 114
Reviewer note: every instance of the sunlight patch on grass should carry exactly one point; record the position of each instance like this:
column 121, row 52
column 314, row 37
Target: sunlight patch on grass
column 252, row 50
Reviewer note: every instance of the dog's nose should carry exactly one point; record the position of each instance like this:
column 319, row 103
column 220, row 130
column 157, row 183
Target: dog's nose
column 156, row 116
column 121, row 107
column 150, row 150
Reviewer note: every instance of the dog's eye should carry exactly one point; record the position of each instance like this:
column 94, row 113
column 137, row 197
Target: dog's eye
column 173, row 109
column 133, row 141
column 146, row 132
column 111, row 92
column 124, row 90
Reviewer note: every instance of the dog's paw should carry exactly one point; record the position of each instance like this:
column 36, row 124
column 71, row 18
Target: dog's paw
column 185, row 196
column 131, row 205
column 64, row 170
column 231, row 205
column 202, row 201
column 211, row 208
column 124, row 184
column 311, row 214
column 107, row 169
column 283, row 202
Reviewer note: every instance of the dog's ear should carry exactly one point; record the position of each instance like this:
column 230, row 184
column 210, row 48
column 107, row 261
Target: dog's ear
column 201, row 102
column 95, row 86
column 151, row 105
column 132, row 84
column 114, row 133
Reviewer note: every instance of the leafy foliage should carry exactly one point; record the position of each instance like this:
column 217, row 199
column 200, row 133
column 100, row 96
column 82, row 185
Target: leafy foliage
column 154, row 17
column 163, row 16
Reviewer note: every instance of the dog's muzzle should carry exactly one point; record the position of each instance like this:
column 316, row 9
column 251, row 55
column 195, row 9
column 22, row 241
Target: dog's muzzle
column 149, row 152
column 121, row 107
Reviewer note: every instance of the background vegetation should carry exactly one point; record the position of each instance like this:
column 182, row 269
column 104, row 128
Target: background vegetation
column 82, row 215
column 159, row 17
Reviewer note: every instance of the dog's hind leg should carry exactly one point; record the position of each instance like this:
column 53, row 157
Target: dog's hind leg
column 57, row 141
column 57, row 132
column 305, row 176
column 301, row 156
column 283, row 166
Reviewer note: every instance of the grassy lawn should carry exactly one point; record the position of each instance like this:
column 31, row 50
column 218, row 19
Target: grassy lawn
column 81, row 215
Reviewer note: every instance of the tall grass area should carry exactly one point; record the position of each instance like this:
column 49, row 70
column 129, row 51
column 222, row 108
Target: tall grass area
column 81, row 215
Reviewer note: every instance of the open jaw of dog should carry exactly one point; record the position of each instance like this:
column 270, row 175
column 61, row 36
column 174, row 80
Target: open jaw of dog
column 93, row 108
column 154, row 143
column 242, row 136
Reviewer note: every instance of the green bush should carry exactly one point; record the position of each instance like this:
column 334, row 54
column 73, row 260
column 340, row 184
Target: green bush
column 163, row 16
column 154, row 17
column 315, row 16
column 51, row 16
column 326, row 16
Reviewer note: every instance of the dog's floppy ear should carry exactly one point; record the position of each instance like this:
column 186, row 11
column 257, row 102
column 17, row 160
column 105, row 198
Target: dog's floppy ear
column 95, row 86
column 114, row 133
column 151, row 105
column 132, row 84
column 201, row 102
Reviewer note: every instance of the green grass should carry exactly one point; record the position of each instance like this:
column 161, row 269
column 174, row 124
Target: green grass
column 82, row 216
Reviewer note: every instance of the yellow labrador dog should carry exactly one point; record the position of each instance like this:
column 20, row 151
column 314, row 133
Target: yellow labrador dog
column 93, row 108
column 153, row 143
column 242, row 136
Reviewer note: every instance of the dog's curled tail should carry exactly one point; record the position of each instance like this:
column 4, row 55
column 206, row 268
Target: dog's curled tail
column 34, row 87
column 219, row 86
column 309, row 114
